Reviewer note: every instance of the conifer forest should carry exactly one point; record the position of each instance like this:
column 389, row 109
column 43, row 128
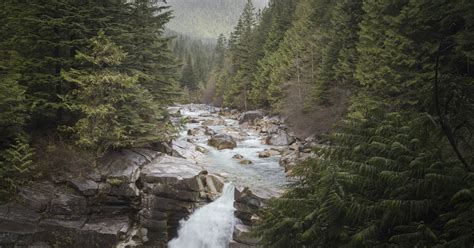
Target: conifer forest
column 237, row 123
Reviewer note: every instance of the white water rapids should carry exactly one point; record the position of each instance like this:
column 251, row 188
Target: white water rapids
column 210, row 226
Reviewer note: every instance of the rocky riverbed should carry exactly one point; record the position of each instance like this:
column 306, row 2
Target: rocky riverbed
column 136, row 198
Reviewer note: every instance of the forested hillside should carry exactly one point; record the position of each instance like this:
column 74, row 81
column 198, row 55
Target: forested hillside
column 79, row 79
column 391, row 83
column 367, row 105
column 206, row 19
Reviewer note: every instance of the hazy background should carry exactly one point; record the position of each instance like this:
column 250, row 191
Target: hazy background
column 206, row 19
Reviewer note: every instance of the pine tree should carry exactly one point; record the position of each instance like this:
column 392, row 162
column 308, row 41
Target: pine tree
column 117, row 111
column 188, row 78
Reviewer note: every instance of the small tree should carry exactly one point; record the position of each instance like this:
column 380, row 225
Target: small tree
column 116, row 111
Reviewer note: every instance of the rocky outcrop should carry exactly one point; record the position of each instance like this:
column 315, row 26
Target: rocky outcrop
column 247, row 205
column 222, row 141
column 131, row 198
column 269, row 153
column 293, row 155
column 280, row 138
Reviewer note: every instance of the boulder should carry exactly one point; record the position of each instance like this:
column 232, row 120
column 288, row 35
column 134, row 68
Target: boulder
column 123, row 165
column 174, row 111
column 291, row 157
column 201, row 149
column 194, row 131
column 268, row 153
column 250, row 117
column 237, row 156
column 242, row 235
column 222, row 141
column 281, row 138
column 209, row 131
column 192, row 120
column 245, row 162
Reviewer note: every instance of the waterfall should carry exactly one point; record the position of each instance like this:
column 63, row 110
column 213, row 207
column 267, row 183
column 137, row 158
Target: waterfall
column 210, row 226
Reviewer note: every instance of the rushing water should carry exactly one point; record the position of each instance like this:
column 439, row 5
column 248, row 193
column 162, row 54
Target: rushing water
column 210, row 226
column 264, row 175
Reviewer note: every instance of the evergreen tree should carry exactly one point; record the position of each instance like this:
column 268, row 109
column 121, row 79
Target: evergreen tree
column 397, row 172
column 117, row 111
column 188, row 78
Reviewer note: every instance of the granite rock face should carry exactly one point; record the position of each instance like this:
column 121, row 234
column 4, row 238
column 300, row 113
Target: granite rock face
column 247, row 205
column 132, row 198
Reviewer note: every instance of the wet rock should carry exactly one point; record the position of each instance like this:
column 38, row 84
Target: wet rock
column 222, row 141
column 192, row 120
column 237, row 156
column 213, row 122
column 192, row 131
column 281, row 138
column 174, row 111
column 242, row 235
column 245, row 162
column 268, row 153
column 209, row 131
column 236, row 133
column 247, row 204
column 201, row 149
column 250, row 117
column 291, row 158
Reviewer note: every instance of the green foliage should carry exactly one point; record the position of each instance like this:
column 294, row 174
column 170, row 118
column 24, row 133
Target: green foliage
column 16, row 167
column 399, row 170
column 381, row 183
column 12, row 102
column 117, row 111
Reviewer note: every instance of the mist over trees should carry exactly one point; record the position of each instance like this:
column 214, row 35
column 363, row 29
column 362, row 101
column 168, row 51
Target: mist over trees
column 206, row 19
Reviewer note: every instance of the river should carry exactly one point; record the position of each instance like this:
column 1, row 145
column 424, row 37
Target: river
column 263, row 175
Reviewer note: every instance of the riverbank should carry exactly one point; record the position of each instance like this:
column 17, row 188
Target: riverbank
column 138, row 197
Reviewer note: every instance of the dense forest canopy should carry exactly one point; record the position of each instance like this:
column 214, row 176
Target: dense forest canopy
column 80, row 76
column 391, row 84
column 385, row 86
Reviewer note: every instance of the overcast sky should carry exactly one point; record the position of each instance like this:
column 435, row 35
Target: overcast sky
column 207, row 18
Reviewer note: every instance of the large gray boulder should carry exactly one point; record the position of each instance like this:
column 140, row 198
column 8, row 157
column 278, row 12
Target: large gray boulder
column 250, row 117
column 281, row 138
column 222, row 141
column 243, row 235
